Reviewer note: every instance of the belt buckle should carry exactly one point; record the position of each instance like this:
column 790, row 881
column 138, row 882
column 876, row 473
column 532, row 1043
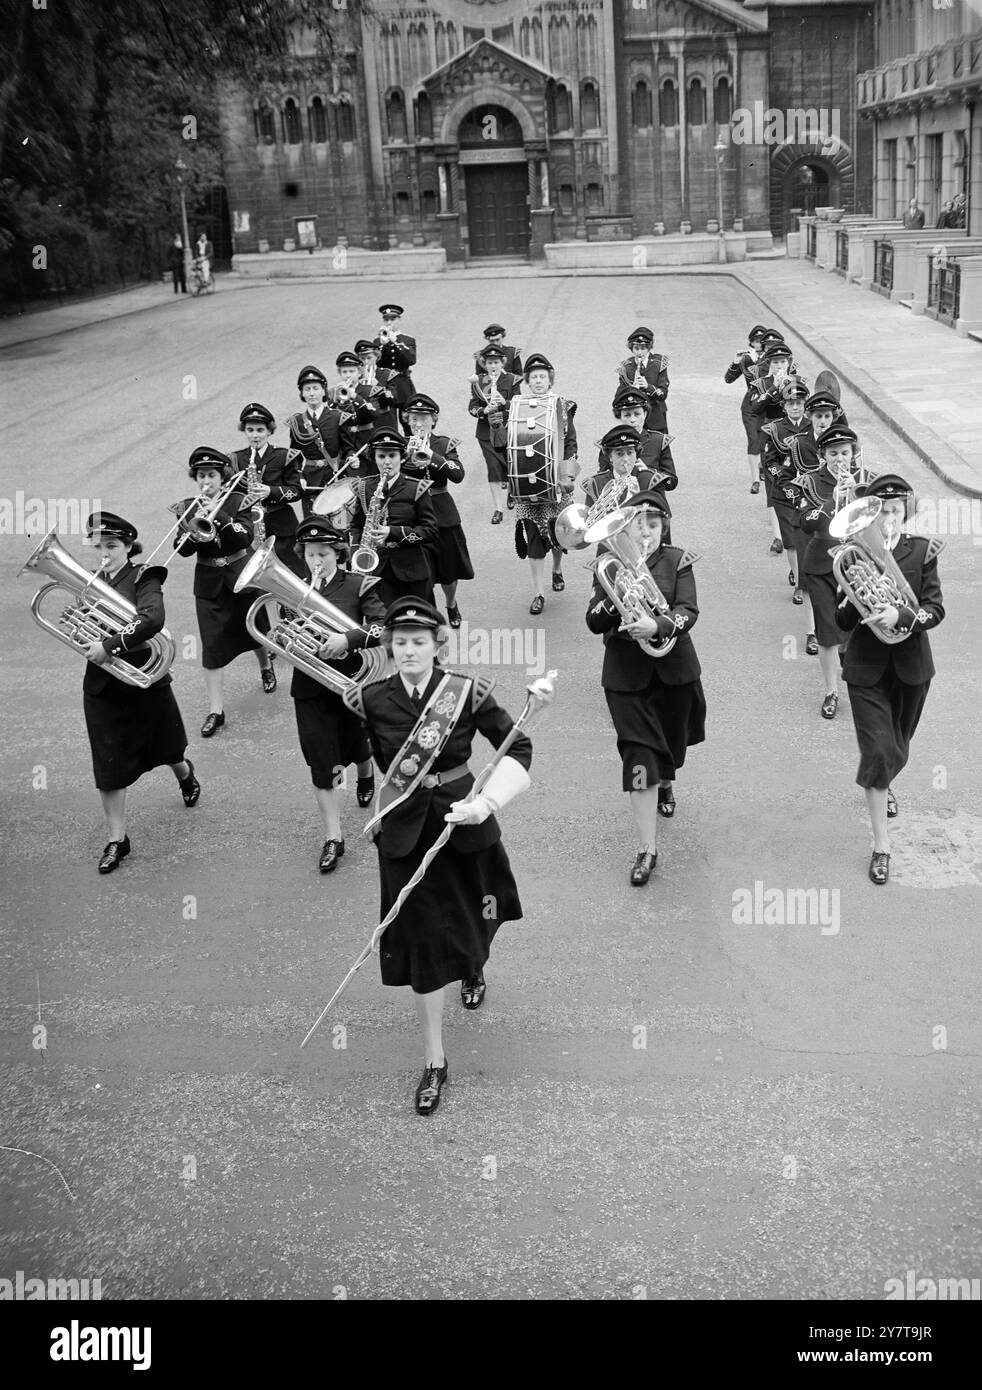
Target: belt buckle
column 431, row 780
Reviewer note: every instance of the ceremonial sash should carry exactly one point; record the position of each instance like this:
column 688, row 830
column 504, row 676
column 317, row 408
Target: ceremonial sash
column 426, row 741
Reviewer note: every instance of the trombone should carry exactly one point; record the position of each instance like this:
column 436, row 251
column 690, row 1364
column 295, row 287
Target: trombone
column 196, row 516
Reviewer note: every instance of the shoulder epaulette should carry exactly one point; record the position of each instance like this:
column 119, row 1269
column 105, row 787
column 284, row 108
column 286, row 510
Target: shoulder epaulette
column 158, row 572
column 483, row 685
column 932, row 546
column 367, row 584
column 686, row 557
column 422, row 486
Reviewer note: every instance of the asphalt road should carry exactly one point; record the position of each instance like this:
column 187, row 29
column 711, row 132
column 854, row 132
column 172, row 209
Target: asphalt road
column 654, row 1101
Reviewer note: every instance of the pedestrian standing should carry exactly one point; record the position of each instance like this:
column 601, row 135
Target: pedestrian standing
column 175, row 257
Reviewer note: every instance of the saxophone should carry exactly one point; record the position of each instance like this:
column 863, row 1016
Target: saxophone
column 253, row 500
column 364, row 558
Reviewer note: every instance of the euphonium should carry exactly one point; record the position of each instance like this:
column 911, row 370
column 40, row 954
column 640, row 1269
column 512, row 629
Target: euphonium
column 97, row 612
column 574, row 521
column 299, row 638
column 865, row 569
column 624, row 575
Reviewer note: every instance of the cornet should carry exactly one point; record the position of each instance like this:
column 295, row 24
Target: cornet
column 97, row 612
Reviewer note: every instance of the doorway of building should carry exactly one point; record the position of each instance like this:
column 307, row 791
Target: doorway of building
column 497, row 209
column 806, row 187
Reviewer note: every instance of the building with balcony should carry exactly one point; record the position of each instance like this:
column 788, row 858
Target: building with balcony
column 922, row 101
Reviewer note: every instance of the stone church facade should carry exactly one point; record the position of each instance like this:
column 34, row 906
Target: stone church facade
column 485, row 125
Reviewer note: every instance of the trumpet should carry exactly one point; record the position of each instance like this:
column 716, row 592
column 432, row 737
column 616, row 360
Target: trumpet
column 624, row 576
column 298, row 639
column 419, row 444
column 97, row 612
column 865, row 569
column 196, row 515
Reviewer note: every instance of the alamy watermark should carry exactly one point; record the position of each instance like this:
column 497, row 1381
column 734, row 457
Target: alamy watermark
column 795, row 125
column 21, row 515
column 925, row 1289
column 28, row 1290
column 786, row 907
column 496, row 646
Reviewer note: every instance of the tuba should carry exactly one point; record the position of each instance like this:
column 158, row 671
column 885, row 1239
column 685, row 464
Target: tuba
column 574, row 521
column 626, row 579
column 298, row 639
column 97, row 612
column 865, row 569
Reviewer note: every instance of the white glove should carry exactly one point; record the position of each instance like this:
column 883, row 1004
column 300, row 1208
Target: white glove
column 474, row 812
column 508, row 780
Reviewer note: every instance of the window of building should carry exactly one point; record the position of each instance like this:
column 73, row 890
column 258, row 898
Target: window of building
column 641, row 105
column 560, row 108
column 722, row 101
column 442, row 50
column 960, row 162
column 890, row 159
column 668, row 104
column 472, row 35
column 403, row 204
column 537, row 39
column 935, row 164
column 594, row 197
column 424, row 117
column 696, row 105
column 505, row 35
column 265, row 125
column 318, row 122
column 911, row 167
column 429, row 202
column 567, row 204
column 291, row 123
column 344, row 116
column 395, row 113
column 589, row 106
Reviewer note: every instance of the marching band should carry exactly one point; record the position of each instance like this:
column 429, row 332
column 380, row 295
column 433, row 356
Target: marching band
column 344, row 594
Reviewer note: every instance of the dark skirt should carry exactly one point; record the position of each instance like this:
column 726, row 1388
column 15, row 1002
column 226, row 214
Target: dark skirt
column 885, row 716
column 442, row 933
column 531, row 544
column 750, row 424
column 451, row 560
column 331, row 737
column 654, row 728
column 822, row 590
column 221, row 622
column 132, row 731
column 496, row 461
column 389, row 588
column 787, row 513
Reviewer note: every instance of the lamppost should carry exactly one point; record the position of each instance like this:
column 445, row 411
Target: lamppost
column 719, row 149
column 181, row 168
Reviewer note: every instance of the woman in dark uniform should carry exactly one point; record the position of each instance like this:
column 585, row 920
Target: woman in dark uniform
column 331, row 736
column 739, row 369
column 130, row 730
column 781, row 469
column 438, row 460
column 444, row 931
column 656, row 704
column 491, row 389
column 776, row 365
column 888, row 683
column 836, row 452
column 221, row 612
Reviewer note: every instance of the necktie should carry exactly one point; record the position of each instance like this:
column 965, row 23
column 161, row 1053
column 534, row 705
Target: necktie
column 415, row 696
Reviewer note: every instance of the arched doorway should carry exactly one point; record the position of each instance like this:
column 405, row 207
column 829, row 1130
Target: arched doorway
column 806, row 175
column 495, row 168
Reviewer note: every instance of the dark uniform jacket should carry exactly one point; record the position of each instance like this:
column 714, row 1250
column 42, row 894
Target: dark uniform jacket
column 513, row 359
column 741, row 367
column 655, row 374
column 379, row 404
column 804, row 449
column 626, row 665
column 412, row 523
column 352, row 593
column 866, row 656
column 397, row 357
column 319, row 455
column 390, row 715
column 443, row 468
column 233, row 539
column 507, row 385
column 279, row 469
column 144, row 590
column 815, row 520
column 596, row 483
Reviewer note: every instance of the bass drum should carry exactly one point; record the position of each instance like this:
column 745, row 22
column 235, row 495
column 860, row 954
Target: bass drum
column 535, row 448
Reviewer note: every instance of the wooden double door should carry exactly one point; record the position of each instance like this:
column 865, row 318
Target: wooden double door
column 497, row 209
